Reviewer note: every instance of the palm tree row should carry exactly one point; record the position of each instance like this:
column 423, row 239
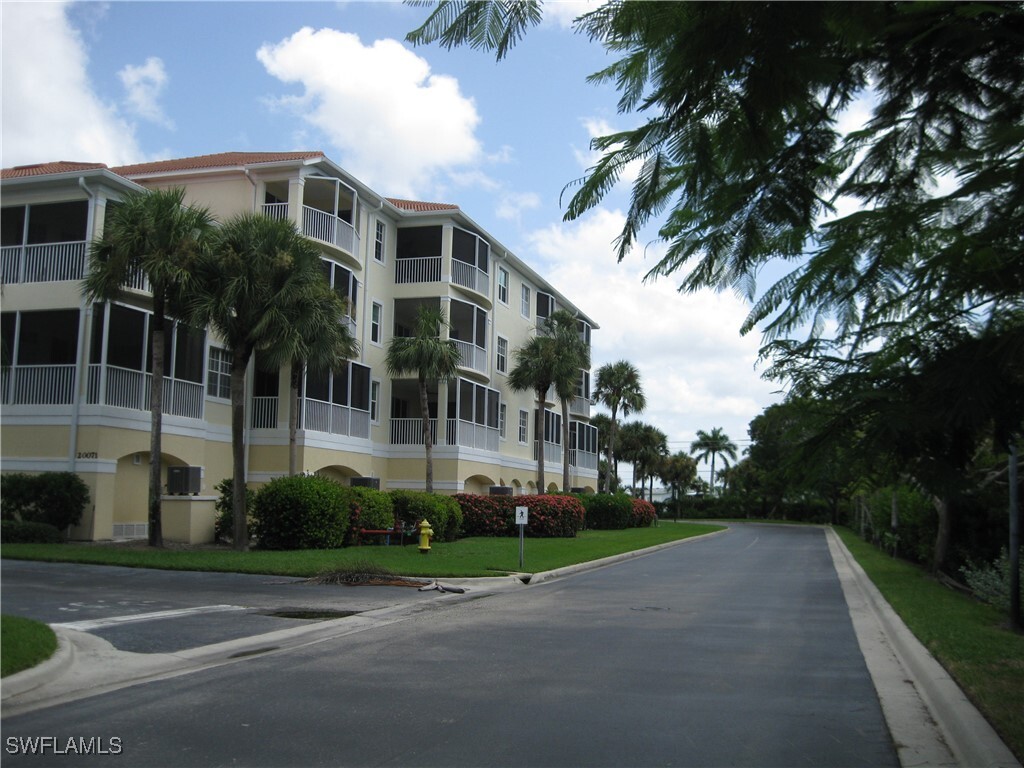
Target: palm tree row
column 255, row 280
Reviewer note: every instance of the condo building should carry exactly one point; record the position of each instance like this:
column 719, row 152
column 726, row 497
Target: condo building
column 76, row 375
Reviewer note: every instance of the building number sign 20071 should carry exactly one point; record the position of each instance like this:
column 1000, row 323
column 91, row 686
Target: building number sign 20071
column 87, row 455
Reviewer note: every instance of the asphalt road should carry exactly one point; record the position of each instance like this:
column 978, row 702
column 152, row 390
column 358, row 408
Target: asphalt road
column 733, row 650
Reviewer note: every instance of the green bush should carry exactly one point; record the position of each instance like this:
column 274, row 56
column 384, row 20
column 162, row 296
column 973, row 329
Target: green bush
column 370, row 508
column 55, row 498
column 224, row 525
column 608, row 511
column 303, row 512
column 29, row 532
column 442, row 512
column 990, row 582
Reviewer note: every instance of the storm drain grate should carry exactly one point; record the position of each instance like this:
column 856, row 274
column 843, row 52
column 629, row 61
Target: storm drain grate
column 305, row 614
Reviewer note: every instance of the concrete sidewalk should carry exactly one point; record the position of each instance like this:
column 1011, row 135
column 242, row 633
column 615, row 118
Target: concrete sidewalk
column 931, row 721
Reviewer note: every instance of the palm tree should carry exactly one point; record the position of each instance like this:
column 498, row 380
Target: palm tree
column 431, row 358
column 617, row 385
column 572, row 355
column 322, row 341
column 678, row 471
column 152, row 234
column 712, row 444
column 259, row 278
column 535, row 369
column 643, row 445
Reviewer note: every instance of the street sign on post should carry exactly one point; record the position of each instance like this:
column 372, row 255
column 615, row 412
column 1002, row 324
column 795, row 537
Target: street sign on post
column 522, row 513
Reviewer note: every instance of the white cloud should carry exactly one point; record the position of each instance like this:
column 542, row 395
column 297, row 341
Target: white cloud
column 396, row 125
column 50, row 109
column 512, row 204
column 143, row 86
column 698, row 371
column 564, row 12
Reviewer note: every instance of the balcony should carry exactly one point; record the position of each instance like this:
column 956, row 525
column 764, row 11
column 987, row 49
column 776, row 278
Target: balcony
column 472, row 357
column 465, row 434
column 321, row 226
column 333, row 419
column 43, row 263
column 427, row 269
column 126, row 388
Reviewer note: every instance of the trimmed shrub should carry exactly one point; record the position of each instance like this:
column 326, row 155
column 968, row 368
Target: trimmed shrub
column 55, row 498
column 28, row 532
column 644, row 513
column 990, row 582
column 442, row 512
column 609, row 511
column 303, row 512
column 224, row 524
column 370, row 508
column 550, row 516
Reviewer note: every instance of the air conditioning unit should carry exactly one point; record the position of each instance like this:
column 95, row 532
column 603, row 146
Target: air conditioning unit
column 501, row 490
column 184, row 481
column 366, row 482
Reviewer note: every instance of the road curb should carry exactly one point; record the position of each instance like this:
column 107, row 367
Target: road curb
column 911, row 683
column 39, row 675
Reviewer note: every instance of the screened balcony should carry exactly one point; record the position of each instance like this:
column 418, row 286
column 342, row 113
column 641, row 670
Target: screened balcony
column 472, row 415
column 337, row 403
column 421, row 259
column 467, row 328
column 44, row 243
column 326, row 215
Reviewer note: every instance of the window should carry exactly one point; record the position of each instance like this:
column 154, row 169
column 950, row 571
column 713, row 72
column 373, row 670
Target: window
column 218, row 376
column 524, row 427
column 502, row 413
column 375, row 401
column 524, row 307
column 376, row 313
column 378, row 246
column 503, row 285
column 545, row 305
column 502, row 355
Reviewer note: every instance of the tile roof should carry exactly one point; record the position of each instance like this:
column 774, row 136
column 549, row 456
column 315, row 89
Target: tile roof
column 46, row 169
column 219, row 160
column 420, row 207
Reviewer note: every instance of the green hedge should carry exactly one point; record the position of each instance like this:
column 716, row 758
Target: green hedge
column 549, row 515
column 442, row 512
column 55, row 498
column 609, row 511
column 302, row 512
column 370, row 508
column 28, row 532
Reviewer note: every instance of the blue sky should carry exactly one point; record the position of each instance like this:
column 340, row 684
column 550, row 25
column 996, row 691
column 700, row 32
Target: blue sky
column 125, row 82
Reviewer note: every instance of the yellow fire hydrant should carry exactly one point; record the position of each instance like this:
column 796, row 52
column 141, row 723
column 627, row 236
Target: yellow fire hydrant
column 426, row 533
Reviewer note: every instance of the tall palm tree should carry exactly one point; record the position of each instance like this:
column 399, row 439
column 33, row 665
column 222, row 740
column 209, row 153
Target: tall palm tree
column 617, row 385
column 535, row 369
column 431, row 358
column 153, row 234
column 260, row 276
column 712, row 444
column 572, row 355
column 322, row 342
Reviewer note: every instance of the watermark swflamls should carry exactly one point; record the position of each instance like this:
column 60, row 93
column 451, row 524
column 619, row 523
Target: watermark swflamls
column 54, row 745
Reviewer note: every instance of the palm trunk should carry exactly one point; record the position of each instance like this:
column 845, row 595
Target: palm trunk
column 293, row 419
column 609, row 454
column 712, row 473
column 540, row 440
column 428, row 444
column 238, row 490
column 156, row 412
column 565, row 446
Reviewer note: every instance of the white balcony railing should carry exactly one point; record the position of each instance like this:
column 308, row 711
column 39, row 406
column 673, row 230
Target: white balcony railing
column 126, row 388
column 422, row 269
column 320, row 225
column 473, row 357
column 471, row 435
column 39, row 385
column 468, row 276
column 552, row 452
column 582, row 459
column 264, row 412
column 580, row 406
column 321, row 416
column 43, row 263
column 410, row 431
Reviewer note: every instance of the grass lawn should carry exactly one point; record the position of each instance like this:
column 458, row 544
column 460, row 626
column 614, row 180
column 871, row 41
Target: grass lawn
column 970, row 639
column 23, row 644
column 470, row 557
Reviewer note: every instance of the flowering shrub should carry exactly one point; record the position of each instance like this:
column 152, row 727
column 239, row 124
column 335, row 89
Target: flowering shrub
column 549, row 516
column 643, row 513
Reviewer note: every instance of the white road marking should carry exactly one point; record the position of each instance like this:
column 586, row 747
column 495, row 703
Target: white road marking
column 112, row 621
